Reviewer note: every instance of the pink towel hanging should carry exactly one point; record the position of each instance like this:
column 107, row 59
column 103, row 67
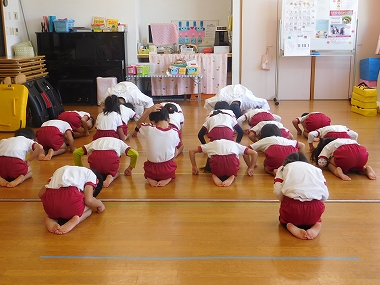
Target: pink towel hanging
column 164, row 33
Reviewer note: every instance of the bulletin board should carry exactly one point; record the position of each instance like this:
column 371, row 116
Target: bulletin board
column 196, row 32
column 318, row 25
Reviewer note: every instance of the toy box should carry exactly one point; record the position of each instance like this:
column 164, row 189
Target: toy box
column 364, row 91
column 365, row 99
column 131, row 70
column 365, row 105
column 143, row 69
column 192, row 70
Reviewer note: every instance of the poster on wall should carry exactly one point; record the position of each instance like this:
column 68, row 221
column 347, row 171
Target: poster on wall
column 196, row 32
column 299, row 20
column 328, row 24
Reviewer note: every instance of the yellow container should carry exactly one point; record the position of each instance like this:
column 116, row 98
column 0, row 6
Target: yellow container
column 365, row 105
column 364, row 112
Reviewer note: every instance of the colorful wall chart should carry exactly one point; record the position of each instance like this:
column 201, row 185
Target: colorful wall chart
column 196, row 32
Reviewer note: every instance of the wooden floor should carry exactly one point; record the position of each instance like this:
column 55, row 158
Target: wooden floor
column 193, row 232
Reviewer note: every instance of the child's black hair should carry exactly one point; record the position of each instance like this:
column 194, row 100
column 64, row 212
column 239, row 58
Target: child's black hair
column 111, row 104
column 92, row 121
column 162, row 115
column 270, row 130
column 304, row 114
column 295, row 156
column 322, row 143
column 234, row 107
column 99, row 186
column 171, row 108
column 129, row 105
column 222, row 105
column 26, row 132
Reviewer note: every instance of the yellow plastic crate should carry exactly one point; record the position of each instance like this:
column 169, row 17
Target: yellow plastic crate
column 362, row 98
column 364, row 112
column 365, row 105
column 366, row 92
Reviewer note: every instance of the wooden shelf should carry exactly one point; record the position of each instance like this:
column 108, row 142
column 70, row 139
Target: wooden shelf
column 31, row 67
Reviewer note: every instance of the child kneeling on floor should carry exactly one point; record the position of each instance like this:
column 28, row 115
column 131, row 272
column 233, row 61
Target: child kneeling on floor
column 69, row 197
column 301, row 188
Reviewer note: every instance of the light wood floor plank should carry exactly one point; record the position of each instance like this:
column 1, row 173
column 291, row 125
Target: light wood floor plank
column 184, row 234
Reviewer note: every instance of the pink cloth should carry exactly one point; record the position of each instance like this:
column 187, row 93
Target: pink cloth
column 164, row 33
column 212, row 66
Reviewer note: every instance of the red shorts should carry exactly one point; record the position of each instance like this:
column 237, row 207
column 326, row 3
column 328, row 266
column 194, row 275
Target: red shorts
column 224, row 165
column 285, row 133
column 219, row 133
column 351, row 157
column 299, row 213
column 105, row 133
column 315, row 121
column 63, row 203
column 337, row 135
column 125, row 128
column 259, row 117
column 276, row 154
column 12, row 167
column 104, row 161
column 73, row 118
column 50, row 137
column 160, row 170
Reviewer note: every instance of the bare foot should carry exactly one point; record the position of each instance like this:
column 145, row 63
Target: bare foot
column 51, row 225
column 16, row 182
column 228, row 181
column 152, row 182
column 3, row 182
column 163, row 182
column 49, row 155
column 68, row 226
column 217, row 181
column 313, row 232
column 369, row 172
column 108, row 181
column 342, row 175
column 296, row 231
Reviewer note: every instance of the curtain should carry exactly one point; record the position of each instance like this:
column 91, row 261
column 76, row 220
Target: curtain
column 213, row 67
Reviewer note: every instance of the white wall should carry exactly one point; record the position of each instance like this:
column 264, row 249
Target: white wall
column 153, row 11
column 136, row 13
column 333, row 74
column 15, row 31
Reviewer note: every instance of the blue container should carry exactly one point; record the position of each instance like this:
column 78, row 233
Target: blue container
column 369, row 68
column 63, row 26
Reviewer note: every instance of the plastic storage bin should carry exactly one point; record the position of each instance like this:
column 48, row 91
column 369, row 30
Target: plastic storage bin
column 63, row 26
column 369, row 68
column 143, row 69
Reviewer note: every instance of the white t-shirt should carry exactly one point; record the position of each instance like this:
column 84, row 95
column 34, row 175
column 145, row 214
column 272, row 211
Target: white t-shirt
column 160, row 143
column 107, row 143
column 265, row 143
column 127, row 114
column 321, row 132
column 59, row 124
column 223, row 147
column 223, row 119
column 17, row 147
column 300, row 181
column 111, row 121
column 77, row 176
